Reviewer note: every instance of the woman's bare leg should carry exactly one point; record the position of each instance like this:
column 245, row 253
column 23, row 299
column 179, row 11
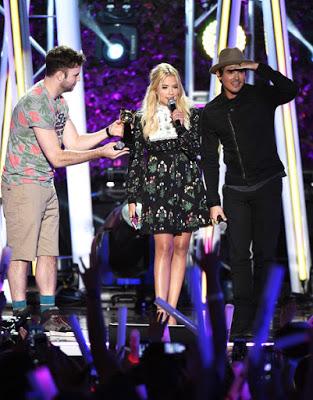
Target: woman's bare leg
column 178, row 269
column 162, row 264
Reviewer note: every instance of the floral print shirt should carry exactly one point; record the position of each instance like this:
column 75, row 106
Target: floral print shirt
column 25, row 161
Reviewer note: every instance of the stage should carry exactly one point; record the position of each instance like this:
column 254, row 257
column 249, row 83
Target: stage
column 139, row 319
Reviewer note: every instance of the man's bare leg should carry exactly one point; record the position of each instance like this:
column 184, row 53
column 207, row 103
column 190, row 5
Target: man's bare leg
column 17, row 276
column 46, row 279
column 46, row 275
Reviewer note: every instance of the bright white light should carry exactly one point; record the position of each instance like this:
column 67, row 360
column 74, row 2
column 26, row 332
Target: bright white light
column 115, row 51
column 209, row 38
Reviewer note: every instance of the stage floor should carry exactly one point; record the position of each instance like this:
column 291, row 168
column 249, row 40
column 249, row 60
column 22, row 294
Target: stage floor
column 138, row 317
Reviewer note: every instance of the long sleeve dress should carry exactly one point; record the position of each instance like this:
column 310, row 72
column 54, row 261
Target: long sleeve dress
column 164, row 176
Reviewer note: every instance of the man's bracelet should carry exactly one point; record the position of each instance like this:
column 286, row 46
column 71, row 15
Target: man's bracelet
column 215, row 297
column 108, row 132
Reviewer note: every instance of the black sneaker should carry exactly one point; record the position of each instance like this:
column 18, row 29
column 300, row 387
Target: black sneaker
column 22, row 317
column 53, row 321
column 22, row 313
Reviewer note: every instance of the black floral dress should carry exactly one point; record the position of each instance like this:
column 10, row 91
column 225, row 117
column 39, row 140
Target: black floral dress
column 164, row 176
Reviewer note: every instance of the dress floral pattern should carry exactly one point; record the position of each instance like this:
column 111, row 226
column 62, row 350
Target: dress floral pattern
column 164, row 176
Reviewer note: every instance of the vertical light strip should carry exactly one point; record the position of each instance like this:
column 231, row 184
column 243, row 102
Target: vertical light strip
column 290, row 148
column 234, row 23
column 189, row 47
column 203, row 287
column 297, row 237
column 3, row 81
column 222, row 38
column 26, row 46
column 18, row 55
column 295, row 195
column 8, row 37
column 6, row 124
column 50, row 24
column 207, row 238
column 224, row 26
column 279, row 40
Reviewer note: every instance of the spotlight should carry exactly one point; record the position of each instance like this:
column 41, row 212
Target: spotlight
column 209, row 38
column 115, row 27
column 115, row 51
column 121, row 45
column 118, row 41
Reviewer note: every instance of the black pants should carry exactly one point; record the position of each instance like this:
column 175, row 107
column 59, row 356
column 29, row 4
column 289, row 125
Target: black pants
column 253, row 223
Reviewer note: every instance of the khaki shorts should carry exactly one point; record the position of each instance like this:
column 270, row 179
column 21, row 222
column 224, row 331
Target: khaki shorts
column 32, row 220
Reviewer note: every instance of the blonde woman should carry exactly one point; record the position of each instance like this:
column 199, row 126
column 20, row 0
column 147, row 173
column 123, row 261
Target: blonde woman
column 164, row 176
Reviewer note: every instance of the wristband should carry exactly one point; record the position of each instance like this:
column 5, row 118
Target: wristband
column 108, row 132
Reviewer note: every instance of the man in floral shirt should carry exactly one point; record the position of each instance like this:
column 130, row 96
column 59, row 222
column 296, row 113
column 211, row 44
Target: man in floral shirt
column 43, row 137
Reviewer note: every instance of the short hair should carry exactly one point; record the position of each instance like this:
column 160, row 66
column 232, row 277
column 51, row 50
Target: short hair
column 61, row 58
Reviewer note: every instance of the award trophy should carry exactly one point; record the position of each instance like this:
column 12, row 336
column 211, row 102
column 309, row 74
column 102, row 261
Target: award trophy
column 127, row 117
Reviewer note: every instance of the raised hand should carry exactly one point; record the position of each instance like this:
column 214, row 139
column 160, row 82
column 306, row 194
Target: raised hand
column 108, row 151
column 92, row 276
column 178, row 115
column 249, row 65
column 117, row 128
column 210, row 264
column 215, row 213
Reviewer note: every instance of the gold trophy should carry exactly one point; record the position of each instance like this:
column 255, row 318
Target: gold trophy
column 127, row 117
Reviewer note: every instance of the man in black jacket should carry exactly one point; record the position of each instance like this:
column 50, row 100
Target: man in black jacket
column 241, row 118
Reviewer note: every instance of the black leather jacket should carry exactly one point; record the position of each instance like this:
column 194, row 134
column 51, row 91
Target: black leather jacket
column 245, row 128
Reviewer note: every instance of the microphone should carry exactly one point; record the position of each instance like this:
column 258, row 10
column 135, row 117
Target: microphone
column 171, row 104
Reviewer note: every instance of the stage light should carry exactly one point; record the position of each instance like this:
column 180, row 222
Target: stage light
column 209, row 38
column 121, row 45
column 117, row 42
column 116, row 30
column 115, row 51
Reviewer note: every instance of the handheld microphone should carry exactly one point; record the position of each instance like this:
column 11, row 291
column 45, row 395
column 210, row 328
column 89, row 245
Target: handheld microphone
column 222, row 224
column 171, row 104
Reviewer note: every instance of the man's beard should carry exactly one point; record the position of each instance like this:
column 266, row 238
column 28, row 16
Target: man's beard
column 68, row 88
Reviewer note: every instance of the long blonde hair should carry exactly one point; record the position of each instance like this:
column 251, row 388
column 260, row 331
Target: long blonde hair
column 149, row 118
